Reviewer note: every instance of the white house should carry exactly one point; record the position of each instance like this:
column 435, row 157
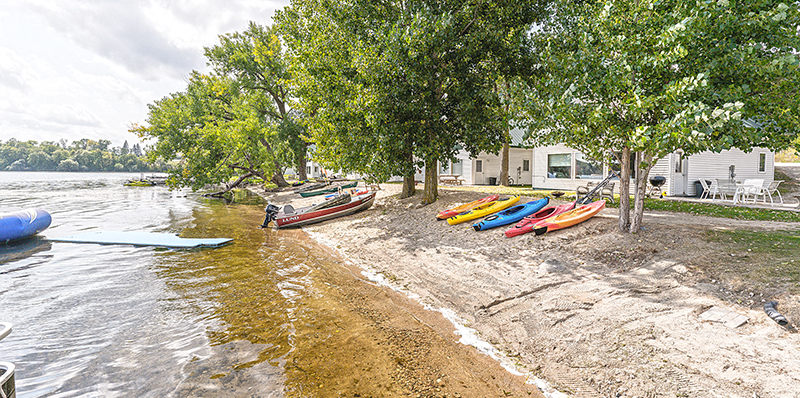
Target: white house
column 564, row 168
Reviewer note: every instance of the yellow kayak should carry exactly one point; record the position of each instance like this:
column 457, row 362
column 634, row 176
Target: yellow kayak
column 483, row 210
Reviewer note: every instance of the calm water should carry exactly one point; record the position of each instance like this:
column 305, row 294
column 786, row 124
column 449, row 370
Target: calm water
column 110, row 320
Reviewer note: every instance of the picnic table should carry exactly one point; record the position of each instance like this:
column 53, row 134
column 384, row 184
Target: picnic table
column 452, row 179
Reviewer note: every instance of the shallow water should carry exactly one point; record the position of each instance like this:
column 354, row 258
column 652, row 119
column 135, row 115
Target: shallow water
column 115, row 320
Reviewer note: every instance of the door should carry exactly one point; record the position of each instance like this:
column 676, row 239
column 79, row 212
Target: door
column 477, row 175
column 681, row 175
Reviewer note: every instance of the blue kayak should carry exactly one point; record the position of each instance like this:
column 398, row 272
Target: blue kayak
column 23, row 224
column 511, row 215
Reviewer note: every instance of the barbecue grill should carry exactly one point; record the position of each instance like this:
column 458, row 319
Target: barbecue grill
column 655, row 185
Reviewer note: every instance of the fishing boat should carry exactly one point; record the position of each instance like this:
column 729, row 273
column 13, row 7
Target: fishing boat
column 569, row 218
column 445, row 214
column 289, row 217
column 527, row 223
column 484, row 210
column 7, row 388
column 328, row 189
column 23, row 224
column 511, row 215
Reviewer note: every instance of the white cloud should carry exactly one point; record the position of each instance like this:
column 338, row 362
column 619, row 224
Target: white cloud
column 87, row 69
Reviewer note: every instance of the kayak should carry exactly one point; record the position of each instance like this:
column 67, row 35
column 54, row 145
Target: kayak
column 511, row 215
column 527, row 223
column 569, row 218
column 445, row 214
column 23, row 224
column 483, row 210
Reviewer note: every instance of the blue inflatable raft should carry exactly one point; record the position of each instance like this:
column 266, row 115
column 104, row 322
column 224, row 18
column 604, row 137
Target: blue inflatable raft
column 23, row 224
column 511, row 215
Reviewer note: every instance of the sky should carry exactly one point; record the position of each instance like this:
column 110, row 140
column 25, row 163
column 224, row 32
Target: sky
column 88, row 68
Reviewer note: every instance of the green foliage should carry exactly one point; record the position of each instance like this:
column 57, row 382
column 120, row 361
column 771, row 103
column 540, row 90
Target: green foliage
column 82, row 155
column 653, row 77
column 390, row 87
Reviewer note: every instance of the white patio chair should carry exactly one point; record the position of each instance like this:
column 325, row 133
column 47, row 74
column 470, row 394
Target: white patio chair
column 724, row 188
column 770, row 190
column 749, row 188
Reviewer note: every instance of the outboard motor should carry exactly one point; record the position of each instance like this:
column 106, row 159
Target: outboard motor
column 272, row 212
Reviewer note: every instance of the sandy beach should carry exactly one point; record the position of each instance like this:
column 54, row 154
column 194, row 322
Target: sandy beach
column 591, row 311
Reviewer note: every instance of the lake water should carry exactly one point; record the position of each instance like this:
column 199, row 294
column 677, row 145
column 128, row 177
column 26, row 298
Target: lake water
column 113, row 320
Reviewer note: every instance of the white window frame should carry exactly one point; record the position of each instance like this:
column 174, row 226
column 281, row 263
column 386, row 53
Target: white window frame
column 762, row 155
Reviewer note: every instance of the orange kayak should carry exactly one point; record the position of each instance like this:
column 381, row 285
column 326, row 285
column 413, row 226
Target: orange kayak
column 569, row 218
column 445, row 214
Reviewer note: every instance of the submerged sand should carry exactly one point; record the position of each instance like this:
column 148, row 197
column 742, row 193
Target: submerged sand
column 592, row 311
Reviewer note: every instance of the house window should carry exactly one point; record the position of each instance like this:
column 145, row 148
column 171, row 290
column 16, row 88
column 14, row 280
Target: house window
column 479, row 166
column 526, row 165
column 457, row 168
column 559, row 165
column 762, row 162
column 316, row 169
column 308, row 169
column 587, row 169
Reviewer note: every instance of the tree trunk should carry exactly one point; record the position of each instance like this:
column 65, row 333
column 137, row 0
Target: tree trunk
column 230, row 186
column 641, row 190
column 409, row 184
column 624, row 189
column 301, row 166
column 278, row 180
column 504, row 164
column 431, row 182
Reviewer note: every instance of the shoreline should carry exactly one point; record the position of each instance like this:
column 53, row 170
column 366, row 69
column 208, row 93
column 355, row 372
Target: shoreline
column 591, row 311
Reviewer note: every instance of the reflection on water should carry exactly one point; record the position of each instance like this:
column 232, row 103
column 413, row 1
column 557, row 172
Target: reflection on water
column 262, row 317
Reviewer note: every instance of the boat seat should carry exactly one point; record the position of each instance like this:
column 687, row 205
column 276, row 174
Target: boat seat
column 288, row 209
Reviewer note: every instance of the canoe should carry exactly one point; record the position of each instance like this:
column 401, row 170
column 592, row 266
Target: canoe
column 570, row 218
column 289, row 217
column 483, row 210
column 311, row 187
column 329, row 189
column 445, row 214
column 23, row 224
column 511, row 215
column 138, row 183
column 527, row 223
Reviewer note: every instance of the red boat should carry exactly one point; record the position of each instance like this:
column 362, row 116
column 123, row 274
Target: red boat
column 527, row 223
column 289, row 217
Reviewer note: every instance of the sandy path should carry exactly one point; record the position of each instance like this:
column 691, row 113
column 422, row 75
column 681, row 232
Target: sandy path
column 592, row 311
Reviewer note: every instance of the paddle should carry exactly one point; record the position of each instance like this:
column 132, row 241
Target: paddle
column 603, row 183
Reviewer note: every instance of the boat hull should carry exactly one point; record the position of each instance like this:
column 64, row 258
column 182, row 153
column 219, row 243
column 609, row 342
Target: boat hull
column 331, row 189
column 511, row 215
column 570, row 218
column 443, row 215
column 527, row 223
column 301, row 217
column 484, row 210
column 23, row 224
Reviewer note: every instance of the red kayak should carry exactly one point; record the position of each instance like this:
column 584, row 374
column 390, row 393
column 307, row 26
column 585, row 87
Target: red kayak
column 527, row 223
column 445, row 214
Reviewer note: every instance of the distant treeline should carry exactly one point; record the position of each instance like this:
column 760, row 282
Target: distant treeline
column 83, row 155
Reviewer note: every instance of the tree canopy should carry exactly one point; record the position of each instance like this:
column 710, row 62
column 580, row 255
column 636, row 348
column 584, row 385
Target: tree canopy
column 233, row 123
column 392, row 86
column 81, row 155
column 647, row 78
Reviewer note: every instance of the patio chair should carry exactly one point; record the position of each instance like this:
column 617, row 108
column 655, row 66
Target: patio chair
column 608, row 191
column 712, row 189
column 750, row 187
column 724, row 188
column 770, row 190
column 583, row 190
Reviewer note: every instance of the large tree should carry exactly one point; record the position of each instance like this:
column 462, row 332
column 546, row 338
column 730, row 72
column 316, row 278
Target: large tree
column 640, row 79
column 395, row 85
column 217, row 130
